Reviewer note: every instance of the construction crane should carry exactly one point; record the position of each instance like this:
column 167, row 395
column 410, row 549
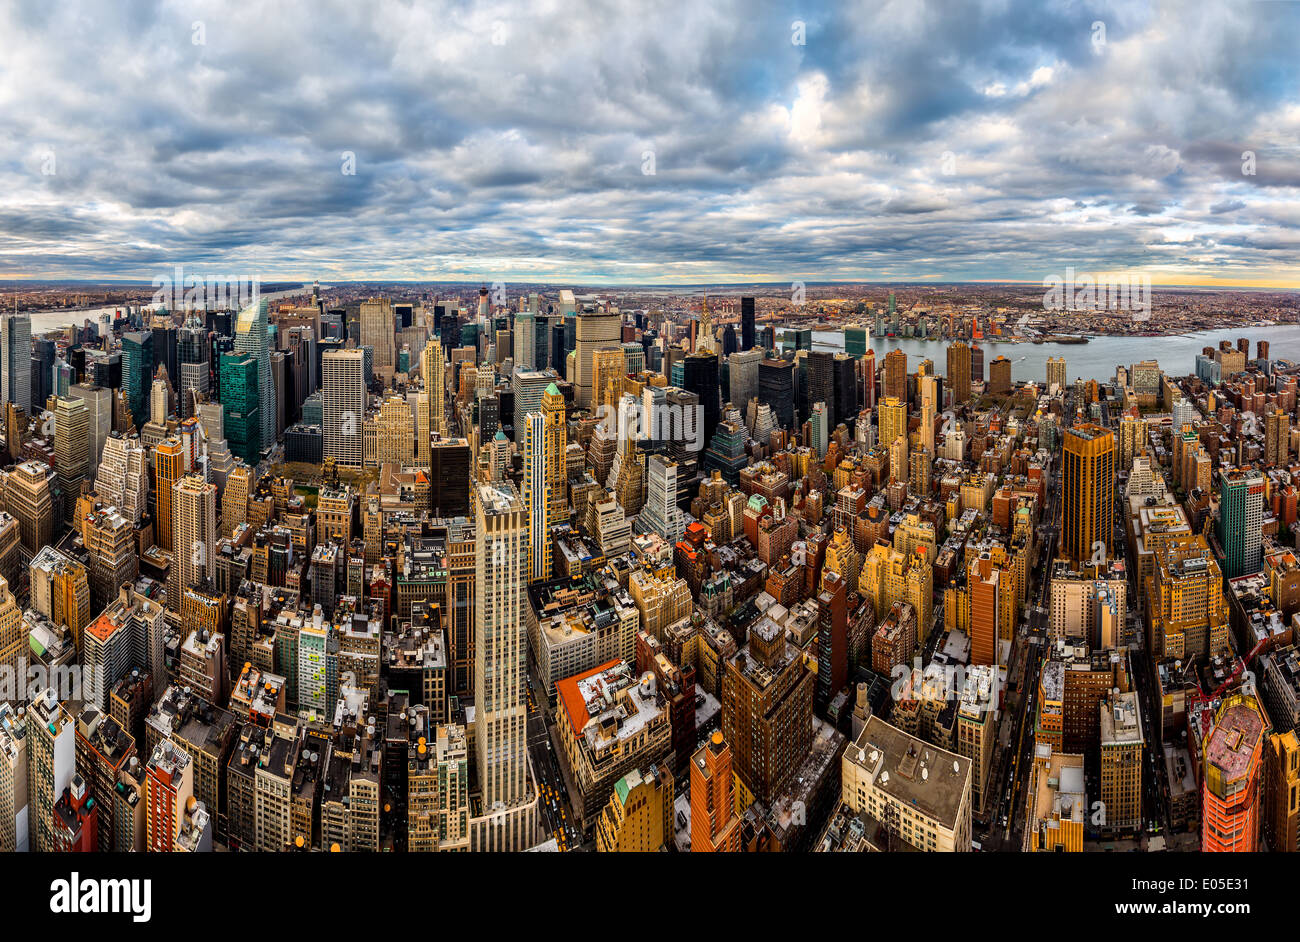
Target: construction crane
column 1255, row 652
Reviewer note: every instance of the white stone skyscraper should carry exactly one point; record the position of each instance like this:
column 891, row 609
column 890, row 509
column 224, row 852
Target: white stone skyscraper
column 251, row 337
column 525, row 341
column 123, row 477
column 661, row 514
column 343, row 405
column 508, row 819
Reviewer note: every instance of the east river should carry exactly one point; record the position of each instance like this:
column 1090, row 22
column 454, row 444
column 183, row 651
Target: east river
column 1096, row 359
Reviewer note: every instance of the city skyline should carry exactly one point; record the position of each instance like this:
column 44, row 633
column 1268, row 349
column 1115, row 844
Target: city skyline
column 465, row 426
column 1001, row 142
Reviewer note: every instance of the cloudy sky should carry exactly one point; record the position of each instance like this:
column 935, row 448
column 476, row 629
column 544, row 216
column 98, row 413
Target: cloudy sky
column 620, row 141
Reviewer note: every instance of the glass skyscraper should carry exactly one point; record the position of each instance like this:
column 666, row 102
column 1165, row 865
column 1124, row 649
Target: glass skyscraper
column 252, row 337
column 242, row 405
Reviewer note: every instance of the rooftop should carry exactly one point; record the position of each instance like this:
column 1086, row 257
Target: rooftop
column 932, row 780
column 1236, row 736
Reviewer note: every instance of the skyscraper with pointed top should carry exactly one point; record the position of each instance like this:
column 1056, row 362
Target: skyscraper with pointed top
column 545, row 440
column 704, row 342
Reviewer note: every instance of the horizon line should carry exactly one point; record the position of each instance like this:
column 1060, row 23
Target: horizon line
column 132, row 282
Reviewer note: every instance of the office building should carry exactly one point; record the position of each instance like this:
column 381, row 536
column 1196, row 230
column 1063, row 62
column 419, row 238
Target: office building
column 1056, row 373
column 906, row 793
column 767, row 706
column 1121, row 762
column 1232, row 814
column 959, row 371
column 242, row 404
column 30, row 499
column 545, row 441
column 509, row 800
column 251, row 337
column 1088, row 492
column 71, row 450
column 715, row 825
column 343, row 405
column 1241, row 521
column 378, row 332
column 638, row 818
column 16, row 361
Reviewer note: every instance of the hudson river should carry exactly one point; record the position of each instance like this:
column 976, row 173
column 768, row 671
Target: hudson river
column 1096, row 359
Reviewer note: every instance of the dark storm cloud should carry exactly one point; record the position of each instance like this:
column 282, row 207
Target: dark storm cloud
column 646, row 141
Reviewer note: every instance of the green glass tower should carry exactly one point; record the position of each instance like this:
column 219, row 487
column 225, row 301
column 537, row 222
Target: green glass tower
column 242, row 405
column 137, row 373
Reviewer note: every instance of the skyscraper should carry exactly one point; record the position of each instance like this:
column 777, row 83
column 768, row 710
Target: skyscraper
column 99, row 405
column 1088, row 491
column 194, row 509
column 959, row 371
column 894, row 382
column 1277, row 438
column 821, row 384
column 242, row 405
column 1000, row 375
column 169, row 783
column 394, row 432
column 700, row 376
column 194, row 364
column 846, row 389
column 32, row 503
column 893, row 420
column 929, row 392
column 746, row 323
column 71, row 450
column 51, row 763
column 545, row 440
column 434, row 371
column 715, row 827
column 776, row 388
column 1241, row 521
column 525, row 342
column 1234, row 801
column 743, row 367
column 343, row 404
column 16, row 360
column 377, row 332
column 122, row 480
column 170, row 463
column 704, row 342
column 251, row 337
column 137, row 374
column 1056, row 372
column 661, row 514
column 500, row 670
column 767, row 709
column 594, row 331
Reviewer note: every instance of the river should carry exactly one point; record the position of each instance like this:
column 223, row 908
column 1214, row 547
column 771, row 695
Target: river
column 43, row 321
column 1096, row 359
